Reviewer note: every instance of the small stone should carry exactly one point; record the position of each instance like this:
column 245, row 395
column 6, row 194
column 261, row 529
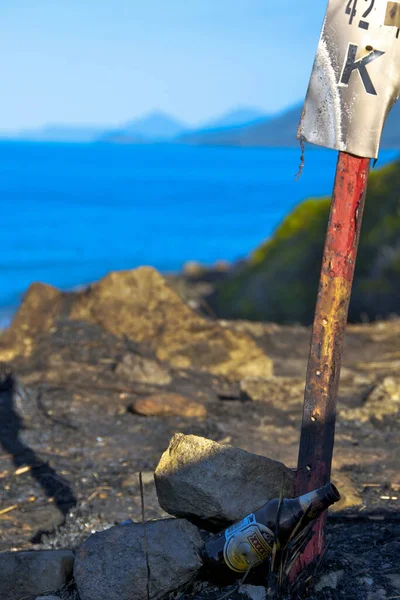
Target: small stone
column 380, row 402
column 274, row 390
column 133, row 480
column 329, row 580
column 349, row 495
column 222, row 266
column 254, row 592
column 126, row 522
column 390, row 387
column 378, row 594
column 147, row 477
column 394, row 579
column 111, row 565
column 136, row 368
column 33, row 572
column 193, row 268
column 214, row 485
column 167, row 405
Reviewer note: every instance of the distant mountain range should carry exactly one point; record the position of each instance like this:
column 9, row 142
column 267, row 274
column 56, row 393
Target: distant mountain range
column 153, row 127
column 279, row 131
column 247, row 127
column 61, row 133
column 159, row 127
column 236, row 117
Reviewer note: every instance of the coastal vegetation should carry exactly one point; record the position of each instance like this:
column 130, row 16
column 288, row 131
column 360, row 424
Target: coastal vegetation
column 279, row 281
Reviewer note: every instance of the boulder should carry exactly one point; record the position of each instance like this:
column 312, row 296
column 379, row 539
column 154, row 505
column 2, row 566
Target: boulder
column 167, row 405
column 40, row 306
column 31, row 573
column 111, row 565
column 138, row 305
column 214, row 485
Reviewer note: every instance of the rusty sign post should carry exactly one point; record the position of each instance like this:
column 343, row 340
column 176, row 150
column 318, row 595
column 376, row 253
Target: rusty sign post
column 354, row 83
column 319, row 413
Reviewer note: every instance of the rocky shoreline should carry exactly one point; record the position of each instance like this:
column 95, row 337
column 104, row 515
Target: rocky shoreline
column 103, row 378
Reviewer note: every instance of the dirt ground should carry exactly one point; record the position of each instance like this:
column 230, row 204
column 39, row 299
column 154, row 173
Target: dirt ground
column 72, row 450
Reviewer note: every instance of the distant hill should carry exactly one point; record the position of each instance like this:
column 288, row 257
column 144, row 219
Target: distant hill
column 278, row 131
column 271, row 131
column 61, row 133
column 239, row 127
column 153, row 127
column 157, row 126
column 236, row 117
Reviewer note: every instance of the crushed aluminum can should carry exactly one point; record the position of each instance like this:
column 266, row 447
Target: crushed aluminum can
column 356, row 77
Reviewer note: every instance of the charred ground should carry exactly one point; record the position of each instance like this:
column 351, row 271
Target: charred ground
column 73, row 443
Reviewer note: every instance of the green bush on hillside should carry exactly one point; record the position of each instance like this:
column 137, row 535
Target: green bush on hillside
column 280, row 280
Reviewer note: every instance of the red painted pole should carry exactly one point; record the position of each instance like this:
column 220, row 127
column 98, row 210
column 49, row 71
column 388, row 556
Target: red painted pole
column 323, row 371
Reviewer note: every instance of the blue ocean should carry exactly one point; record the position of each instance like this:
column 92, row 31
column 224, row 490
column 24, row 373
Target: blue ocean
column 72, row 212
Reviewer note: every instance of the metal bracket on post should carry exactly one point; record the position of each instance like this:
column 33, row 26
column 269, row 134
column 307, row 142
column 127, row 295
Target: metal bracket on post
column 354, row 84
column 355, row 80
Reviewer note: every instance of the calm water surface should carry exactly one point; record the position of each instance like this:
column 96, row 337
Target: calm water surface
column 71, row 213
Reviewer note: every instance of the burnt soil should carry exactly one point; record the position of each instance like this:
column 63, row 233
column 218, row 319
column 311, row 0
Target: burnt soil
column 71, row 450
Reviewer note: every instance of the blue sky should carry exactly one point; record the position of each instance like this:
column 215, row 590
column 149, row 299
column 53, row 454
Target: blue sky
column 108, row 61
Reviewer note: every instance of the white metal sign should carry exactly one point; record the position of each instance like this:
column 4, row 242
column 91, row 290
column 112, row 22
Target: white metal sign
column 356, row 76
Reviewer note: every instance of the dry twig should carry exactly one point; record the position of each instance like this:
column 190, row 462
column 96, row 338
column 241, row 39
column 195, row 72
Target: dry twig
column 8, row 509
column 146, row 546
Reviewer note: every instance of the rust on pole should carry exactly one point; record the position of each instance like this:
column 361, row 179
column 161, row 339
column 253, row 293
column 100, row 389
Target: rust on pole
column 323, row 372
column 355, row 81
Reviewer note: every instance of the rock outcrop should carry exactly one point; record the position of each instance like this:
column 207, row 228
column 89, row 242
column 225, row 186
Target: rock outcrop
column 138, row 305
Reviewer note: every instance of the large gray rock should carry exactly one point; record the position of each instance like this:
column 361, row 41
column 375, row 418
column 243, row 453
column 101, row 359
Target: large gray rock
column 28, row 574
column 214, row 485
column 111, row 565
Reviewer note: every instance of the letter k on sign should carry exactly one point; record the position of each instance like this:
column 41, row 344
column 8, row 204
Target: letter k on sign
column 359, row 65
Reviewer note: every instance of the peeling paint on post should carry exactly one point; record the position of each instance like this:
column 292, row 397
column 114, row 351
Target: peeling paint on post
column 323, row 372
